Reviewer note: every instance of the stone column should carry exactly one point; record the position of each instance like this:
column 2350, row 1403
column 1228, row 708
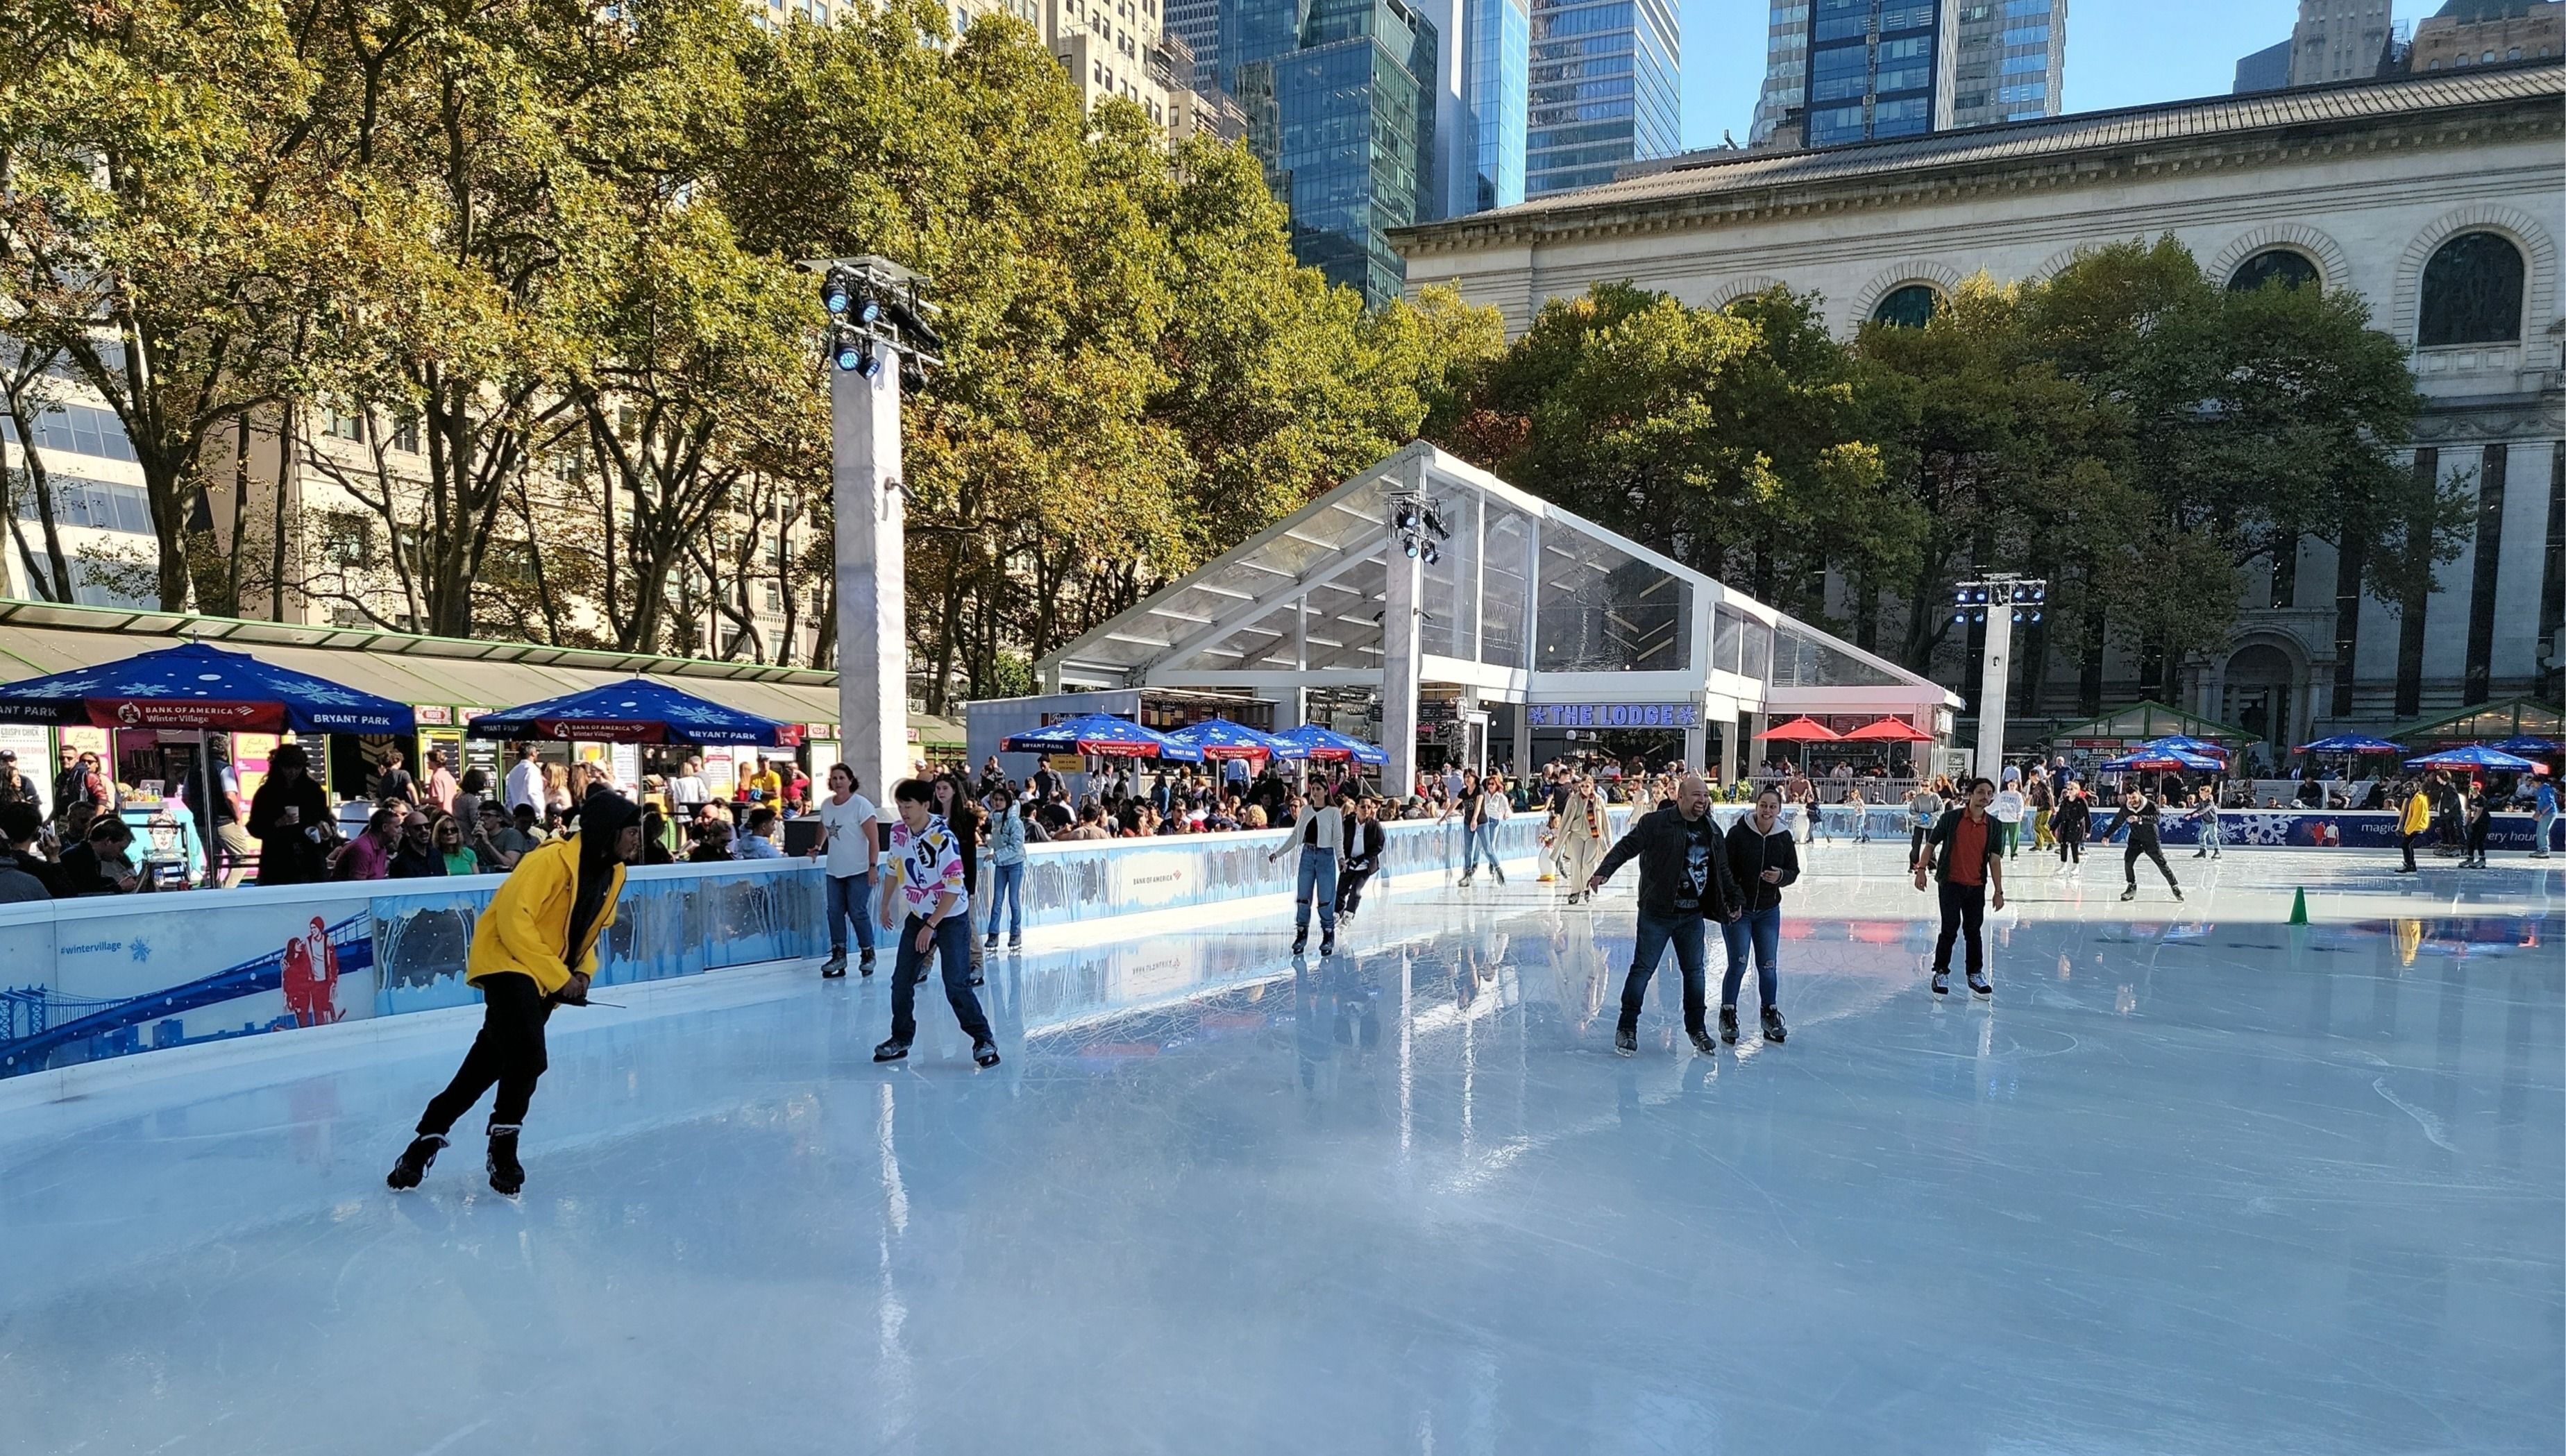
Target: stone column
column 871, row 566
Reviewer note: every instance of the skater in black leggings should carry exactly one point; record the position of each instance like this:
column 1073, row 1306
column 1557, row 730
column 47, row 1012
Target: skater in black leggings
column 2139, row 811
column 2075, row 813
column 534, row 948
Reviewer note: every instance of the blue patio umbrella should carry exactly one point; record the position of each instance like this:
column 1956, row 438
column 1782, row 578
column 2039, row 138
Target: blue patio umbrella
column 2185, row 743
column 1329, row 746
column 196, row 687
column 2529, row 745
column 636, row 710
column 2352, row 743
column 1221, row 738
column 2161, row 761
column 2474, row 756
column 1103, row 735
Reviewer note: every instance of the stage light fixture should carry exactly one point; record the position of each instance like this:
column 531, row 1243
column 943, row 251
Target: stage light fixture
column 1962, row 597
column 1429, row 553
column 1405, row 520
column 1409, row 544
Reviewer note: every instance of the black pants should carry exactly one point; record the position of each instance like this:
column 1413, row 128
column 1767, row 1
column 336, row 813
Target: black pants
column 2407, row 843
column 509, row 1052
column 1964, row 912
column 1915, row 843
column 2071, row 849
column 2130, row 863
column 1350, row 887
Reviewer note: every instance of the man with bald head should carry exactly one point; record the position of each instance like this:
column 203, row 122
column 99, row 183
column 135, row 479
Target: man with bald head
column 1683, row 880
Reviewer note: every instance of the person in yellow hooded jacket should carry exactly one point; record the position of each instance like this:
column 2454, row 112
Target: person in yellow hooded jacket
column 2413, row 824
column 534, row 948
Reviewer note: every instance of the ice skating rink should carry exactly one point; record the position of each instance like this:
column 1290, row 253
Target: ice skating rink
column 2194, row 1181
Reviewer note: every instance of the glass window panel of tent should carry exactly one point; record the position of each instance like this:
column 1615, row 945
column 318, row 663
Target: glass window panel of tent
column 1757, row 660
column 1444, row 586
column 1605, row 610
column 1801, row 661
column 2471, row 292
column 1344, row 620
column 1264, row 645
column 1502, row 587
column 2282, row 266
column 1726, row 632
column 1910, row 307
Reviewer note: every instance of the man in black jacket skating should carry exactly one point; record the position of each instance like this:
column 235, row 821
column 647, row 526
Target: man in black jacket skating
column 1683, row 878
column 2139, row 811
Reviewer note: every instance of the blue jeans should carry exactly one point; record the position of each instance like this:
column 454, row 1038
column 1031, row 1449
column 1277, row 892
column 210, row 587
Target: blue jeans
column 850, row 897
column 1007, row 887
column 1476, row 842
column 954, row 948
column 1317, row 876
column 1686, row 931
column 2209, row 838
column 1763, row 930
column 2540, row 827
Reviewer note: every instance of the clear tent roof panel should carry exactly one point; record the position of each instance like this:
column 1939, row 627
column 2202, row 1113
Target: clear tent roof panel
column 1304, row 544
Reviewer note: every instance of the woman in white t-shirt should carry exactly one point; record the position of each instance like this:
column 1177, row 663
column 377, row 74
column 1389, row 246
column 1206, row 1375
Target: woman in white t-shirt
column 2008, row 808
column 851, row 839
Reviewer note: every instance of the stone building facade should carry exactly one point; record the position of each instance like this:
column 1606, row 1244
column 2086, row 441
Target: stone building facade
column 2436, row 197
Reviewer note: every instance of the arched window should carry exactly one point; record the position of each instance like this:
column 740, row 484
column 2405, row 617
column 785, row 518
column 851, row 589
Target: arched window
column 2273, row 265
column 1910, row 306
column 2471, row 292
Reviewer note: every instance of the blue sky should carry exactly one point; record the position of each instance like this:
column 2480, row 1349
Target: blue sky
column 2119, row 53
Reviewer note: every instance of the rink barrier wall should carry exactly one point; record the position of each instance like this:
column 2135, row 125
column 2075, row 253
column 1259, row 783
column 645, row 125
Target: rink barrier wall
column 90, row 979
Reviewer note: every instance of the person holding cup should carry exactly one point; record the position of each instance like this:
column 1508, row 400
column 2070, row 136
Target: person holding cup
column 290, row 818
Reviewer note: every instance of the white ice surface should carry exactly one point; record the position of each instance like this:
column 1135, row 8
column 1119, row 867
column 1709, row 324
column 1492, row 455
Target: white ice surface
column 2194, row 1181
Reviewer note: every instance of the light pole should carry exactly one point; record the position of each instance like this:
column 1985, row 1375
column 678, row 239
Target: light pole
column 879, row 339
column 1998, row 600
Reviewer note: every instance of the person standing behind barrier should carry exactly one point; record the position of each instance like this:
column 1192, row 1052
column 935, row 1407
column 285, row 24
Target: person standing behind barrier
column 1320, row 835
column 2139, row 814
column 2070, row 822
column 1761, row 859
column 2007, row 807
column 1365, row 842
column 1683, row 880
column 1006, row 865
column 851, row 837
column 1966, row 856
column 1583, row 830
column 922, row 874
column 2413, row 825
column 534, row 948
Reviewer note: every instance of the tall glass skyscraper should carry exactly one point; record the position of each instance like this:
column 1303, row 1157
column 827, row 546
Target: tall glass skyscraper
column 2008, row 62
column 1197, row 23
column 1495, row 84
column 1603, row 90
column 1879, row 67
column 1341, row 110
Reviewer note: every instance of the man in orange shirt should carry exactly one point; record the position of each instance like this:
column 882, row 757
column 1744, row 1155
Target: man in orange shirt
column 1966, row 855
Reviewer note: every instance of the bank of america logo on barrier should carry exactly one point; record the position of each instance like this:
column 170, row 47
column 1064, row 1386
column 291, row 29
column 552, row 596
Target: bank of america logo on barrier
column 41, row 1027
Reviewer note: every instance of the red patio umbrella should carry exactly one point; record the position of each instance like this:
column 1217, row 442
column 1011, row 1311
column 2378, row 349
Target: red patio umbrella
column 1890, row 730
column 1802, row 729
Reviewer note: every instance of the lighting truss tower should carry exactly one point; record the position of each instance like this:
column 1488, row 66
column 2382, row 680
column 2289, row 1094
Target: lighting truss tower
column 1997, row 601
column 878, row 340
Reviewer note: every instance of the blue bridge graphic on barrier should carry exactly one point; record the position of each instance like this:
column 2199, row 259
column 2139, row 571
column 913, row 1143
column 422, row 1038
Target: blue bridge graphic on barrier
column 36, row 1024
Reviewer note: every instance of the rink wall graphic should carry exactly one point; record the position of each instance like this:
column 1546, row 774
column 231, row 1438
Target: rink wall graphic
column 85, row 980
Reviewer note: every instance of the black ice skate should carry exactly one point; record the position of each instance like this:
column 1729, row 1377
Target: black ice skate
column 1977, row 983
column 984, row 1053
column 1774, row 1028
column 415, row 1160
column 1702, row 1043
column 1729, row 1024
column 1626, row 1043
column 894, row 1051
column 507, row 1175
column 1942, row 983
column 835, row 967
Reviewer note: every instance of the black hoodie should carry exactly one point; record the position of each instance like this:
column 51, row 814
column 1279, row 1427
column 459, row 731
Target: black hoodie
column 601, row 819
